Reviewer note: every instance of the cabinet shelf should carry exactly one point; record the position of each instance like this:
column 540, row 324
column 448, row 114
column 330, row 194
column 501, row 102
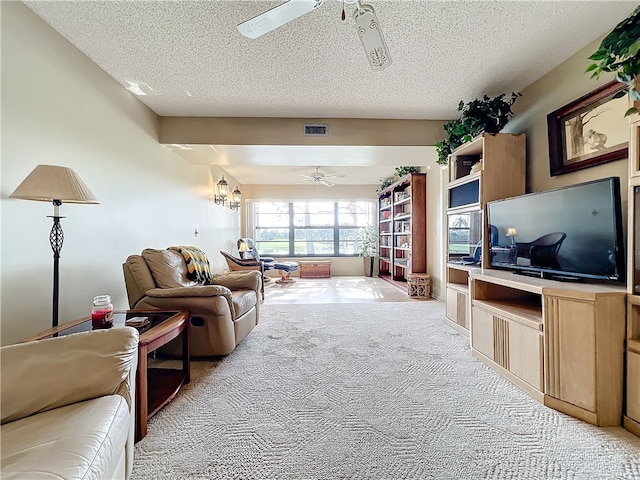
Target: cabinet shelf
column 522, row 310
column 404, row 216
column 404, row 201
column 464, row 180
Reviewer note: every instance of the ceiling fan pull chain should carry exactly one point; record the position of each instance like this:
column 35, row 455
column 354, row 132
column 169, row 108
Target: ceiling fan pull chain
column 344, row 15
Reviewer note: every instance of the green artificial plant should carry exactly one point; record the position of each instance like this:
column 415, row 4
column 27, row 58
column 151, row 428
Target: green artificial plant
column 484, row 114
column 367, row 241
column 402, row 171
column 618, row 53
column 384, row 183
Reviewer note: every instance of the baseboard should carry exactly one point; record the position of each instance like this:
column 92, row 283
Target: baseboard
column 631, row 425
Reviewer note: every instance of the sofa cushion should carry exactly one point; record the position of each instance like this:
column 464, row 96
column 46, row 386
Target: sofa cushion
column 168, row 268
column 141, row 276
column 84, row 440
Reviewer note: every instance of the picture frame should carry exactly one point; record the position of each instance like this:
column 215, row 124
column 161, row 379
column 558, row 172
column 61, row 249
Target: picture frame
column 589, row 131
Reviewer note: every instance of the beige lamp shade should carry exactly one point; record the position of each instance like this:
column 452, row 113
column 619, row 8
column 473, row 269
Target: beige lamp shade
column 47, row 183
column 243, row 247
column 511, row 232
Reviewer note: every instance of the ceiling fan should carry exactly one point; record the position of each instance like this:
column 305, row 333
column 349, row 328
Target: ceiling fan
column 364, row 17
column 321, row 178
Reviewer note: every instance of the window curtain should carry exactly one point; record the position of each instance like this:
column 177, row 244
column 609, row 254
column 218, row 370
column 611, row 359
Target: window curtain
column 250, row 220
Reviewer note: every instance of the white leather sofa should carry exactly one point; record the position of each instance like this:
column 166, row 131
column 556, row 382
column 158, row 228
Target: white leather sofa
column 67, row 406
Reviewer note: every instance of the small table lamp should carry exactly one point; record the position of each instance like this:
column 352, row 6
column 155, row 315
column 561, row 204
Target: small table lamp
column 243, row 248
column 52, row 183
column 511, row 232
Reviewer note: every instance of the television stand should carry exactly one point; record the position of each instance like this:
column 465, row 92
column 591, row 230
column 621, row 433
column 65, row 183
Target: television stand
column 561, row 343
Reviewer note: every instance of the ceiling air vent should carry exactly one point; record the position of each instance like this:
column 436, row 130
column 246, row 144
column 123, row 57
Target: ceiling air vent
column 315, row 130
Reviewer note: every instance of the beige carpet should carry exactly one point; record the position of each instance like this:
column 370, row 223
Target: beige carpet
column 368, row 391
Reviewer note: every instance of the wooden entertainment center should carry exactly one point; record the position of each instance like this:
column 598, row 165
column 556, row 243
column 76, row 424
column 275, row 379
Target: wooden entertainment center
column 631, row 419
column 561, row 342
column 573, row 346
column 500, row 156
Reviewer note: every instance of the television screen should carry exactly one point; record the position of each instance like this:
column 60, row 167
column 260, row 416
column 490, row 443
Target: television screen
column 572, row 232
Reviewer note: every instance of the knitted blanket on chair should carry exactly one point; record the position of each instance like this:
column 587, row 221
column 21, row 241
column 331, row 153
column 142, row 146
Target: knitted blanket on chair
column 198, row 268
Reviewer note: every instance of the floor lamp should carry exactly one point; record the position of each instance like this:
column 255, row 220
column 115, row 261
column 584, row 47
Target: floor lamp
column 51, row 183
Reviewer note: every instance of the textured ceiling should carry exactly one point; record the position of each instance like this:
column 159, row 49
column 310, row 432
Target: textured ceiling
column 190, row 60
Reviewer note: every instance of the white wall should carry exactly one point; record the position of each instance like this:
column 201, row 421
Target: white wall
column 60, row 108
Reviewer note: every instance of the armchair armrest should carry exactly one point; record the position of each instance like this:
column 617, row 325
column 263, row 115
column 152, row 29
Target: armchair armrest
column 240, row 280
column 46, row 374
column 201, row 291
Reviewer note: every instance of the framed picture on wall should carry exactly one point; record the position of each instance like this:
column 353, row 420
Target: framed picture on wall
column 589, row 131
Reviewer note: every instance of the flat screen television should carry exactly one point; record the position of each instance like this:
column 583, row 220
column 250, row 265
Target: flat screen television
column 570, row 233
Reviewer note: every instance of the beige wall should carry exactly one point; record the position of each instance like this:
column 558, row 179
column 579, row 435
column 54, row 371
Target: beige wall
column 288, row 131
column 559, row 87
column 60, row 108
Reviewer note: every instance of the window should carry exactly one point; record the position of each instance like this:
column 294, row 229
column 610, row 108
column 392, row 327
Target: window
column 310, row 228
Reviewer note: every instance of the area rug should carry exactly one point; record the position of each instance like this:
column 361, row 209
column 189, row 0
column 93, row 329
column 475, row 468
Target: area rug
column 367, row 391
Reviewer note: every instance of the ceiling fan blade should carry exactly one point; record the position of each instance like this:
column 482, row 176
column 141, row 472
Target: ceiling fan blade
column 311, row 177
column 371, row 37
column 276, row 17
column 326, row 183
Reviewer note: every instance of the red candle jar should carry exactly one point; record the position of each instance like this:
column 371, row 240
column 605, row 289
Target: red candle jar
column 102, row 312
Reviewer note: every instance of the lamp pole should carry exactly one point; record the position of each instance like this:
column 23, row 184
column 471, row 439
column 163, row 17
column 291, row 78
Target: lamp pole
column 56, row 237
column 56, row 184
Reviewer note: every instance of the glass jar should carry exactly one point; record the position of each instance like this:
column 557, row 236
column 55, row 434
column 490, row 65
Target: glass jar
column 102, row 312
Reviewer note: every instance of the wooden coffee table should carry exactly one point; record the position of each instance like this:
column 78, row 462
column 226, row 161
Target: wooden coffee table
column 155, row 387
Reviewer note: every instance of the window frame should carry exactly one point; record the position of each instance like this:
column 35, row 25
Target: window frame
column 336, row 228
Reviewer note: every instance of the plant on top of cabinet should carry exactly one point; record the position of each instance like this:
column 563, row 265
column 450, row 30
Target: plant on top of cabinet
column 480, row 115
column 618, row 53
column 402, row 171
column 384, row 183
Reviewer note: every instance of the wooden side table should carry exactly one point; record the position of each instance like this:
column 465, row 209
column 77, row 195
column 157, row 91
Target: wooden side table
column 419, row 285
column 155, row 387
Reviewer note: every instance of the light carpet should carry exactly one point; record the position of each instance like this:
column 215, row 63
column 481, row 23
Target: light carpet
column 368, row 391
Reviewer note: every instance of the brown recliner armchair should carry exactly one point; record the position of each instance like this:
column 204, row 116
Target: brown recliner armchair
column 222, row 312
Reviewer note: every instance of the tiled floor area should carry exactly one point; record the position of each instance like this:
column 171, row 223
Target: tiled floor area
column 335, row 290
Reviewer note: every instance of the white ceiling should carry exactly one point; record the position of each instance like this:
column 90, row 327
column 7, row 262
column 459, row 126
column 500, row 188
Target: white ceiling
column 190, row 60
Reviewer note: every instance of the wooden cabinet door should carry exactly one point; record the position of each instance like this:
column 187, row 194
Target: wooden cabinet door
column 526, row 354
column 452, row 305
column 482, row 332
column 571, row 351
